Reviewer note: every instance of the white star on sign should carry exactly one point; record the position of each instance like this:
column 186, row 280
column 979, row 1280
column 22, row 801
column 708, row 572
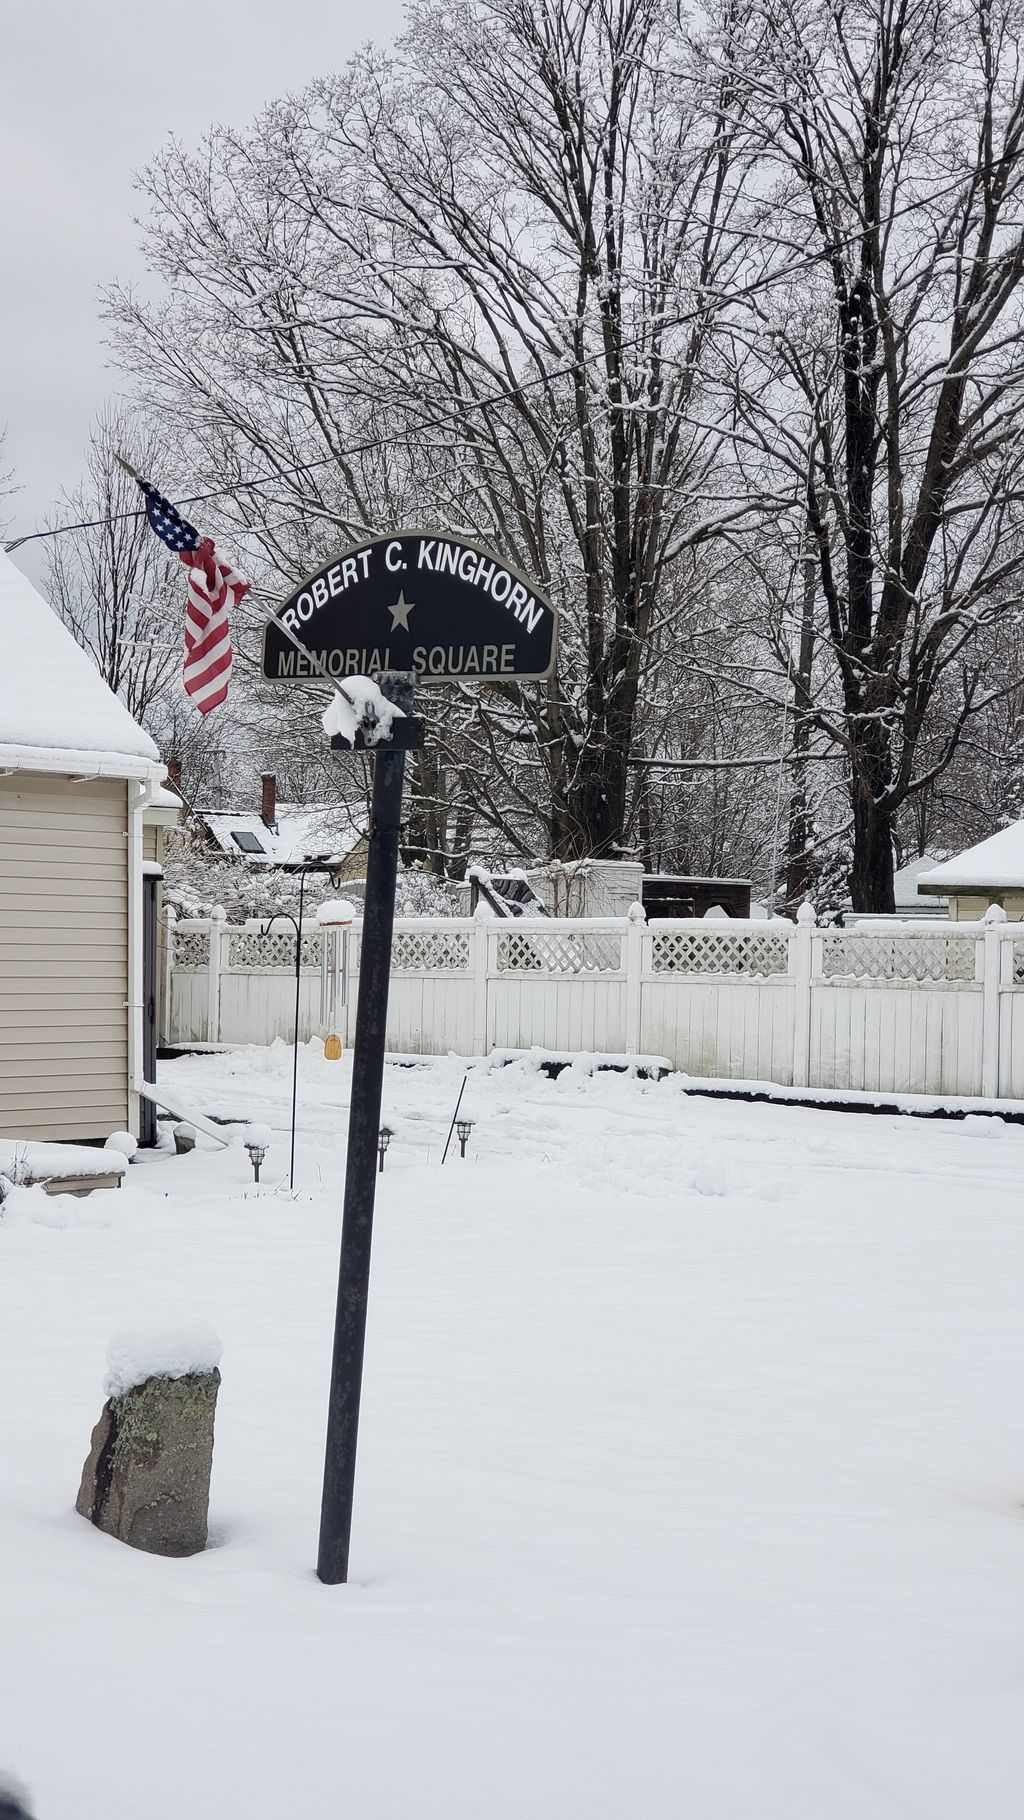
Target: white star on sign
column 400, row 611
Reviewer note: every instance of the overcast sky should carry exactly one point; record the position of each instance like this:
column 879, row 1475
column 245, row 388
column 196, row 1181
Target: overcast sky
column 87, row 95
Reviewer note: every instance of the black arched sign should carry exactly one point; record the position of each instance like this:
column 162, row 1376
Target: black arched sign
column 421, row 601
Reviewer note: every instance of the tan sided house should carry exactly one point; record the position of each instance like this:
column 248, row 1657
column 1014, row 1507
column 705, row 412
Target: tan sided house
column 990, row 873
column 76, row 775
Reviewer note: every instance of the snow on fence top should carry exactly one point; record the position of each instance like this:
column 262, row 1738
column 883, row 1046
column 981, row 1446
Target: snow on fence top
column 54, row 699
column 136, row 1353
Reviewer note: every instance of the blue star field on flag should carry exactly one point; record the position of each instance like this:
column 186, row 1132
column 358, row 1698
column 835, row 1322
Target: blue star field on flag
column 167, row 522
column 214, row 591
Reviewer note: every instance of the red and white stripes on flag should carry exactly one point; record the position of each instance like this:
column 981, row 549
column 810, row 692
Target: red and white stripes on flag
column 214, row 591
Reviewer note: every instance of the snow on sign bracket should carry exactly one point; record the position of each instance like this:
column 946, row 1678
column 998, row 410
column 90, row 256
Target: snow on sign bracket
column 422, row 601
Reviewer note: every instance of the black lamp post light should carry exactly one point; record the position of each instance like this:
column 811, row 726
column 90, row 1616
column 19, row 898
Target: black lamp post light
column 463, row 1127
column 384, row 1136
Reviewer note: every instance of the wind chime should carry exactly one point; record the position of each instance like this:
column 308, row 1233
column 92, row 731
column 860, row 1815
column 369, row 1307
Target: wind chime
column 334, row 920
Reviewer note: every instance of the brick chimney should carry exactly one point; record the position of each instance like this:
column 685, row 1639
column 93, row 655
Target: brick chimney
column 174, row 773
column 268, row 801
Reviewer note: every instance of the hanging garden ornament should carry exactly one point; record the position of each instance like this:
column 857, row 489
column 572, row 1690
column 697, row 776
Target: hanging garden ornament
column 334, row 920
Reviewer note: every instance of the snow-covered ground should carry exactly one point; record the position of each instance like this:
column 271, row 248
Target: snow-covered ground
column 691, row 1474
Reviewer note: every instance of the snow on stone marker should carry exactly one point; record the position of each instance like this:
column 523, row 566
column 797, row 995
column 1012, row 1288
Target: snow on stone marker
column 147, row 1478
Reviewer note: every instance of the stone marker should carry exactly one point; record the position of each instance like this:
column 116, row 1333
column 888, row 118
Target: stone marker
column 147, row 1478
column 184, row 1138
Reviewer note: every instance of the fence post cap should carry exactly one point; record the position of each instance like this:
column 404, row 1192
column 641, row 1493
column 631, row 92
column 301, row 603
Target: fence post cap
column 805, row 914
column 995, row 914
column 218, row 914
column 636, row 914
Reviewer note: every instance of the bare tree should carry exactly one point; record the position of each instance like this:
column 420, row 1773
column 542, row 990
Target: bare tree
column 113, row 583
column 6, row 487
column 479, row 283
column 894, row 130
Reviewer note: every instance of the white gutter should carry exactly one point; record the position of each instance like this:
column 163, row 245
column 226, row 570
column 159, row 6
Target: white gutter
column 69, row 762
column 138, row 802
column 171, row 1103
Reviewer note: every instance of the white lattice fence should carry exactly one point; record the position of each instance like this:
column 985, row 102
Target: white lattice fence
column 854, row 954
column 253, row 951
column 436, row 950
column 718, row 951
column 191, row 950
column 936, row 1007
column 552, row 952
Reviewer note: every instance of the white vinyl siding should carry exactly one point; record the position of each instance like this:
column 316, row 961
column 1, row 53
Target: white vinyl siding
column 63, row 957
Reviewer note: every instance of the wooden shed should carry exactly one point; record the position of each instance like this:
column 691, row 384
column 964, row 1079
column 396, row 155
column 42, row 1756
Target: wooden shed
column 76, row 775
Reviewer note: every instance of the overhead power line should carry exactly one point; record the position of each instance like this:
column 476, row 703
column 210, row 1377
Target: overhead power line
column 505, row 394
column 502, row 395
column 725, row 764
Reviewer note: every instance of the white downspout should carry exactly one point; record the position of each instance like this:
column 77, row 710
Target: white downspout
column 143, row 799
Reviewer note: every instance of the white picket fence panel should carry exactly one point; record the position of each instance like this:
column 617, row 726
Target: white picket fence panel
column 934, row 1007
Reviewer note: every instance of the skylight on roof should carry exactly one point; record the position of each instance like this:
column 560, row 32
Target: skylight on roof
column 247, row 841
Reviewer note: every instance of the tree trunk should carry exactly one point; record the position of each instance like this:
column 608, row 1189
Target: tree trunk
column 800, row 850
column 800, row 844
column 871, row 885
column 424, row 842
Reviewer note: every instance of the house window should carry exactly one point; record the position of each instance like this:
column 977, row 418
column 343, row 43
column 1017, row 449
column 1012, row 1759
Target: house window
column 247, row 842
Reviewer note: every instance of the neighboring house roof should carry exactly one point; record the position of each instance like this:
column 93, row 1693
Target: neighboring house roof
column 905, row 880
column 301, row 831
column 165, row 796
column 995, row 864
column 166, row 808
column 56, row 712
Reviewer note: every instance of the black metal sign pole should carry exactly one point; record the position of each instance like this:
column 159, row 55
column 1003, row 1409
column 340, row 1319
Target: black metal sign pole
column 427, row 604
column 361, row 1166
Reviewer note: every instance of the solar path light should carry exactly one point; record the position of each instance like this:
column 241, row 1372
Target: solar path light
column 384, row 1137
column 257, row 1143
column 463, row 1127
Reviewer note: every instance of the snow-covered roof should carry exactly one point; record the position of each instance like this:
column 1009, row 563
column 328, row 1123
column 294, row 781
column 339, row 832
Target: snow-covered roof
column 301, row 831
column 56, row 712
column 165, row 796
column 905, row 880
column 995, row 864
column 165, row 809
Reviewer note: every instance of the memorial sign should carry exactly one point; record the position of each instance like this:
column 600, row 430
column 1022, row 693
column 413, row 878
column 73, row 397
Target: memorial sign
column 414, row 607
column 420, row 601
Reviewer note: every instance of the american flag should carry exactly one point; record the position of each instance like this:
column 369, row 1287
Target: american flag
column 213, row 589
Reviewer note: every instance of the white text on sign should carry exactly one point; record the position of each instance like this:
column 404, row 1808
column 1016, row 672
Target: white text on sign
column 435, row 555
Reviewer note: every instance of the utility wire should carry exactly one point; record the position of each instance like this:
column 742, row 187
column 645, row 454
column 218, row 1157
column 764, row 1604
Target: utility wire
column 503, row 395
column 196, row 499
